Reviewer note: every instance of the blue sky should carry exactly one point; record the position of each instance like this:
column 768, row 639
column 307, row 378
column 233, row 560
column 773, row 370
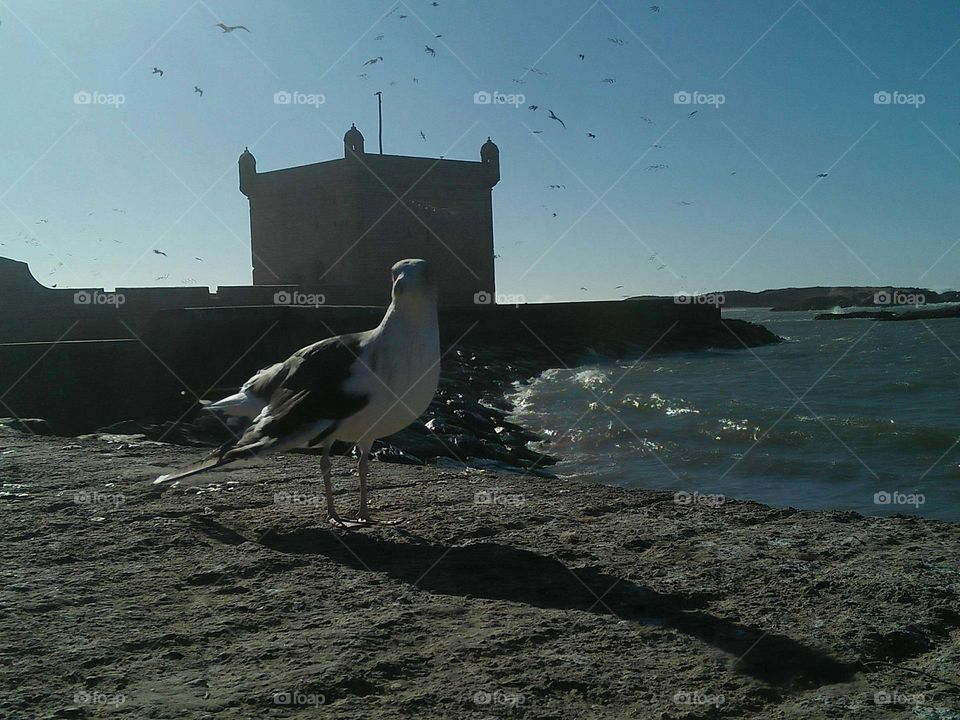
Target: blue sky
column 87, row 191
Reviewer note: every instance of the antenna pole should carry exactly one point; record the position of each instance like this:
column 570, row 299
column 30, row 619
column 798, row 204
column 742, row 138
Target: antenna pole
column 380, row 117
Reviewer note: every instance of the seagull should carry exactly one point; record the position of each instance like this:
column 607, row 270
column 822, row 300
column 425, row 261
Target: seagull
column 429, row 51
column 582, row 56
column 379, row 37
column 353, row 388
column 557, row 187
column 422, row 136
column 616, row 41
column 157, row 71
column 647, row 120
column 686, row 203
column 822, row 175
column 693, row 113
column 536, row 132
column 198, row 90
column 654, row 8
column 159, row 252
column 618, row 287
column 591, row 135
column 609, row 81
column 416, row 81
column 373, row 61
column 584, row 289
column 230, row 28
column 198, row 259
column 162, row 277
column 554, row 117
column 533, row 107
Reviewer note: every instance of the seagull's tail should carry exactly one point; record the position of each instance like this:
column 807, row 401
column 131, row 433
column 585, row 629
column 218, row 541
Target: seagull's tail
column 211, row 461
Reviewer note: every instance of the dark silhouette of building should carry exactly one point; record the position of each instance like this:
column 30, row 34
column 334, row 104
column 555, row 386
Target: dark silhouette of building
column 338, row 226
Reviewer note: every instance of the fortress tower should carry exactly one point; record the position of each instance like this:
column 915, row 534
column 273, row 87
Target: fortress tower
column 336, row 227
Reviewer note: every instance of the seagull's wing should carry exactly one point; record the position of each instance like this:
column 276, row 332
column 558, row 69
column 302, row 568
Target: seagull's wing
column 307, row 400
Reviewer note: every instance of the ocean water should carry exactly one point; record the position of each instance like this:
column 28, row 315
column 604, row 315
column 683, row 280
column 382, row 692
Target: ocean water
column 850, row 414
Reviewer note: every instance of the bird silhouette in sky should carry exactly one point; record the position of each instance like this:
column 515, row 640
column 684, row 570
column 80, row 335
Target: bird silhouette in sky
column 822, row 175
column 429, row 51
column 584, row 289
column 363, row 76
column 404, row 17
column 582, row 56
column 654, row 8
column 157, row 71
column 609, row 81
column 591, row 135
column 379, row 37
column 616, row 41
column 536, row 132
column 554, row 117
column 686, row 203
column 416, row 81
column 159, row 252
column 557, row 187
column 422, row 136
column 693, row 113
column 198, row 90
column 618, row 287
column 231, row 28
column 198, row 259
column 647, row 120
column 533, row 107
column 373, row 61
column 162, row 277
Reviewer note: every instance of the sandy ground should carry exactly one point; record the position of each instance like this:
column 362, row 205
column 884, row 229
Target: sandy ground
column 494, row 597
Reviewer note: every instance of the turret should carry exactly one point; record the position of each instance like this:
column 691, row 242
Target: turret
column 248, row 171
column 490, row 157
column 352, row 142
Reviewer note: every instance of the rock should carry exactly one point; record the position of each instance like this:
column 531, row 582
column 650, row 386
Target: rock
column 34, row 426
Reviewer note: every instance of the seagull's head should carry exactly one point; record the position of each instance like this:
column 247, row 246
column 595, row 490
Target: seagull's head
column 413, row 284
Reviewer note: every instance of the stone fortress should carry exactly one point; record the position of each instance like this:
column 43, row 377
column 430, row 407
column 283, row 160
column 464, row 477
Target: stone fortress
column 336, row 227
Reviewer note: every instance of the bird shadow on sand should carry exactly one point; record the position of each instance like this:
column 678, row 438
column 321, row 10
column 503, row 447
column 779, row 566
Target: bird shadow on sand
column 502, row 572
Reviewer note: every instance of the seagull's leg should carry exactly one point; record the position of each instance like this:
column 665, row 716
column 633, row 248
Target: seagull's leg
column 364, row 467
column 328, row 487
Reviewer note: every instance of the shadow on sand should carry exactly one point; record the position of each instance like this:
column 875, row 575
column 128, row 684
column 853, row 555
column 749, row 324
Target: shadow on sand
column 501, row 572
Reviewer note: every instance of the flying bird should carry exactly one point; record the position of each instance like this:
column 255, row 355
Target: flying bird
column 822, row 175
column 536, row 132
column 157, row 71
column 557, row 187
column 533, row 107
column 416, row 81
column 647, row 120
column 379, row 37
column 230, row 28
column 422, row 136
column 591, row 135
column 582, row 56
column 159, row 252
column 616, row 41
column 373, row 61
column 618, row 287
column 429, row 51
column 198, row 90
column 654, row 8
column 162, row 277
column 693, row 113
column 686, row 203
column 554, row 117
column 198, row 259
column 584, row 289
column 609, row 81
column 352, row 388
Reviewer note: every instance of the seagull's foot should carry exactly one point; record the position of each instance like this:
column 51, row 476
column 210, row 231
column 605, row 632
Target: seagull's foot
column 337, row 521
